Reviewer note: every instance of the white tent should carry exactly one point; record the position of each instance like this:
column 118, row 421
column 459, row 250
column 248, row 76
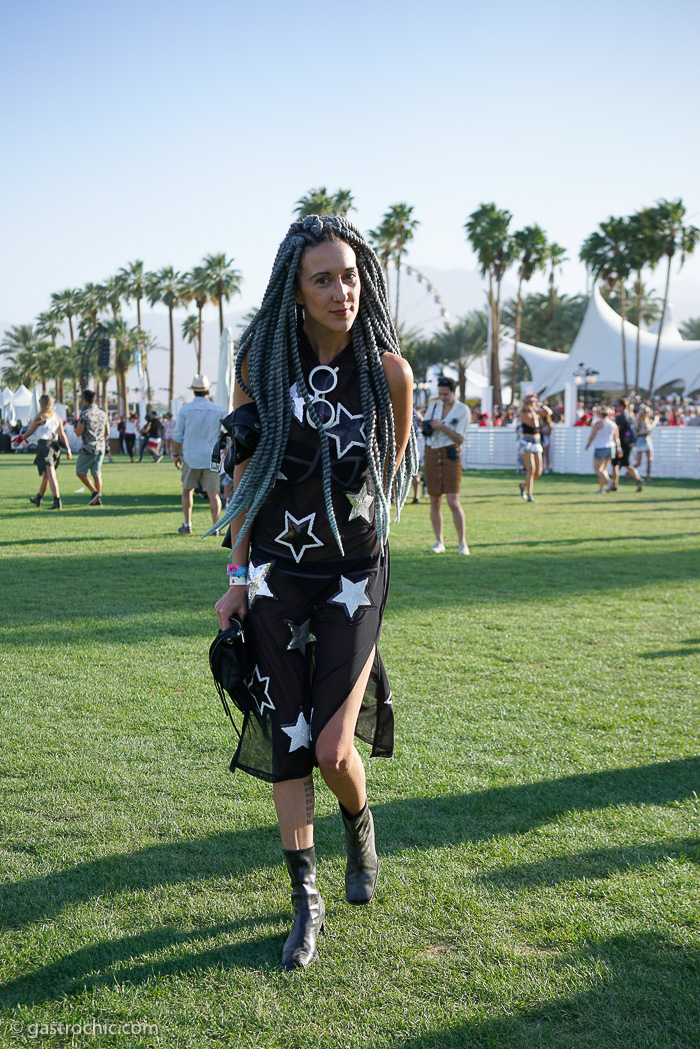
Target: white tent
column 22, row 403
column 544, row 365
column 598, row 346
column 670, row 330
column 226, row 375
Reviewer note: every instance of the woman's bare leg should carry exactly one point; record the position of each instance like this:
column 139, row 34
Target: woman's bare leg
column 294, row 802
column 436, row 516
column 338, row 761
column 50, row 475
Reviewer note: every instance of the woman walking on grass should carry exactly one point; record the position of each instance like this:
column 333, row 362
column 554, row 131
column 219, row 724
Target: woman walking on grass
column 51, row 438
column 320, row 373
column 530, row 446
column 605, row 438
column 646, row 421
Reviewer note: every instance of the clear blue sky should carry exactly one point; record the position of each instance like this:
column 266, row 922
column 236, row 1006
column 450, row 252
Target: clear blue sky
column 164, row 131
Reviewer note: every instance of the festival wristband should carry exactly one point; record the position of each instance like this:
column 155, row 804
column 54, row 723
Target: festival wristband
column 237, row 575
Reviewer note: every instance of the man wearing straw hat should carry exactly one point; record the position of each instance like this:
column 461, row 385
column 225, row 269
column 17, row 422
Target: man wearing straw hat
column 198, row 426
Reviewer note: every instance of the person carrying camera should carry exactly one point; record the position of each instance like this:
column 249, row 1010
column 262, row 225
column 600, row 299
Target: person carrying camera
column 444, row 428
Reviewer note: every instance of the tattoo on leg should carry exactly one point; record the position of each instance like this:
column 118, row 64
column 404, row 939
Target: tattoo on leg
column 309, row 799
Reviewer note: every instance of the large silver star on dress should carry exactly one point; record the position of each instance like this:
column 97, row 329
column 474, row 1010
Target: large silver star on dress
column 257, row 581
column 347, row 432
column 299, row 733
column 298, row 535
column 352, row 595
column 301, row 636
column 297, row 403
column 258, row 686
column 361, row 503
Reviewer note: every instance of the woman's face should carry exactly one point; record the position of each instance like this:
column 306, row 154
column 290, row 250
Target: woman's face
column 328, row 287
column 446, row 395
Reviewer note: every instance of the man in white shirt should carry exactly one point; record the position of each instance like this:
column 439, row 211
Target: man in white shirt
column 197, row 427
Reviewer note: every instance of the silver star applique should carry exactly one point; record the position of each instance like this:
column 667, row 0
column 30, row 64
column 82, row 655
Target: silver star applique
column 348, row 432
column 301, row 636
column 297, row 403
column 298, row 535
column 361, row 503
column 257, row 581
column 351, row 595
column 258, row 686
column 299, row 733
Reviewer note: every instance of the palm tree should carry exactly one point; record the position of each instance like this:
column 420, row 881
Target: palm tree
column 343, row 202
column 321, row 202
column 126, row 344
column 90, row 302
column 198, row 288
column 132, row 285
column 166, row 286
column 462, row 343
column 398, row 219
column 18, row 344
column 690, row 329
column 222, row 280
column 608, row 257
column 530, row 245
column 191, row 328
column 65, row 304
column 671, row 237
column 48, row 326
column 113, row 293
column 555, row 255
column 382, row 240
column 643, row 247
column 487, row 232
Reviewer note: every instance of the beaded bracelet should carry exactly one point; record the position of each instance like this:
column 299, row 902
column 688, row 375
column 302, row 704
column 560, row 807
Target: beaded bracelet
column 237, row 575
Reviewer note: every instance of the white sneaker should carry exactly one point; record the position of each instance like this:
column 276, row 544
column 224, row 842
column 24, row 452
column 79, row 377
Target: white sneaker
column 437, row 548
column 462, row 548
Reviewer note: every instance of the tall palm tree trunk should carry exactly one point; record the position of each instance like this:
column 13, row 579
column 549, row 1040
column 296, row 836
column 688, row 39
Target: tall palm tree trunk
column 221, row 316
column 518, row 321
column 495, row 336
column 398, row 277
column 171, row 383
column 199, row 341
column 623, row 311
column 661, row 324
column 639, row 328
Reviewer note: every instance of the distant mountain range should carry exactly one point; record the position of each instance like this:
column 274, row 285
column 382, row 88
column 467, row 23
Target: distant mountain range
column 461, row 290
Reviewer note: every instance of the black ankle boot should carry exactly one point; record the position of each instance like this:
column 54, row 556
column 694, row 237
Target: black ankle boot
column 36, row 499
column 362, row 866
column 57, row 504
column 309, row 910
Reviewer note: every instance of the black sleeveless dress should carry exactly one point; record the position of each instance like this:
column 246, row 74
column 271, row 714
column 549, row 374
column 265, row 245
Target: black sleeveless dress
column 315, row 616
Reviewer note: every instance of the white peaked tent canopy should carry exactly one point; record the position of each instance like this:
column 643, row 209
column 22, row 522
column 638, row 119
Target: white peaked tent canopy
column 670, row 331
column 598, row 346
column 544, row 365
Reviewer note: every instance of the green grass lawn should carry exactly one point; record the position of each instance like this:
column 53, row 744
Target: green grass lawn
column 537, row 828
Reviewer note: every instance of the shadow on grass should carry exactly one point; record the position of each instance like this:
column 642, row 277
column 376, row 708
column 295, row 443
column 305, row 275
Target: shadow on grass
column 593, row 864
column 410, row 823
column 92, row 967
column 641, row 993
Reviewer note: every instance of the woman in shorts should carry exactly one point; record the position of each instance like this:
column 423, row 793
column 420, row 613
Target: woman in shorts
column 51, row 439
column 605, row 438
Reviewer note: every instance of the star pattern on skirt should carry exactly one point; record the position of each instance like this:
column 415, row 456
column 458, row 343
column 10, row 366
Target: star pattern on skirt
column 298, row 535
column 257, row 581
column 258, row 687
column 351, row 595
column 299, row 733
column 361, row 503
column 301, row 636
column 347, row 432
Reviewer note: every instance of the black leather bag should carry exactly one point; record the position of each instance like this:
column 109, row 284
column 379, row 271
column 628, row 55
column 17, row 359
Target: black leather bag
column 231, row 661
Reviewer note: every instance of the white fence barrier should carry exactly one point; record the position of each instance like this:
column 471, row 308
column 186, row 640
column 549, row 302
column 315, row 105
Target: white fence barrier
column 676, row 450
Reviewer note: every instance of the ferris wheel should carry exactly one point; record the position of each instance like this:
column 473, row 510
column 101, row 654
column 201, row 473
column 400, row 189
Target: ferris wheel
column 431, row 290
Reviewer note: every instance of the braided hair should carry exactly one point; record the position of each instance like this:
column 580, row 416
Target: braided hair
column 270, row 346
